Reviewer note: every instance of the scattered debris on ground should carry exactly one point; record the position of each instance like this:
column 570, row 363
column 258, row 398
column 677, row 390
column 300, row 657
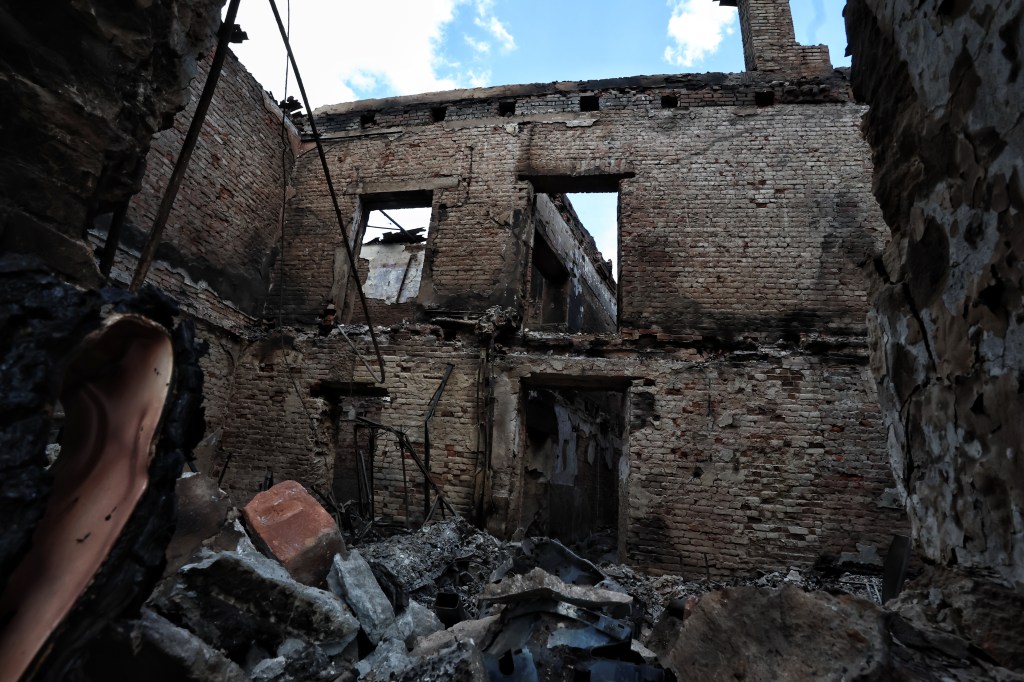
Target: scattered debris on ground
column 450, row 602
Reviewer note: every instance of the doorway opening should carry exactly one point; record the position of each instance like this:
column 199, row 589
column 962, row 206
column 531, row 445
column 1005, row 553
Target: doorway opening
column 574, row 439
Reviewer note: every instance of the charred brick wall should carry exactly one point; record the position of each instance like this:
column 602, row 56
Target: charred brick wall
column 81, row 109
column 224, row 228
column 276, row 422
column 222, row 235
column 769, row 41
column 734, row 219
column 747, row 460
column 944, row 80
column 283, row 420
column 746, row 220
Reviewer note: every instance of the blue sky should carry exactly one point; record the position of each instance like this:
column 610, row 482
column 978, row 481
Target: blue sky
column 381, row 48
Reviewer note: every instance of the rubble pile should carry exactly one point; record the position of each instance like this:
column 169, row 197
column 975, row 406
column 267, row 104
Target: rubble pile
column 450, row 602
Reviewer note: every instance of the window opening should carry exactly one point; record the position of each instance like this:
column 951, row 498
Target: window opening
column 393, row 248
column 437, row 114
column 506, row 108
column 572, row 279
column 589, row 103
column 669, row 101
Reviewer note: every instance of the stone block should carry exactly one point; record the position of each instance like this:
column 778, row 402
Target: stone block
column 289, row 525
column 351, row 579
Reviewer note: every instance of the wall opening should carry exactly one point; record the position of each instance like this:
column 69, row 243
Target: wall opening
column 669, row 101
column 394, row 235
column 569, row 263
column 573, row 440
column 549, row 286
column 590, row 103
column 506, row 108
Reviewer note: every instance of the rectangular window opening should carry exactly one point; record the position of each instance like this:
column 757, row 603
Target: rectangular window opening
column 573, row 264
column 589, row 103
column 506, row 108
column 573, row 442
column 669, row 101
column 393, row 248
column 437, row 114
column 368, row 119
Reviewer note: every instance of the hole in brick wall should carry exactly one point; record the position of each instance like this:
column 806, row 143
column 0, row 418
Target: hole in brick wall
column 408, row 225
column 368, row 119
column 669, row 101
column 437, row 114
column 506, row 108
column 589, row 103
column 393, row 249
column 574, row 439
column 572, row 279
column 765, row 98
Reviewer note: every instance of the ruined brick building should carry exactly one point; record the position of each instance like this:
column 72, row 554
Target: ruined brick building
column 712, row 407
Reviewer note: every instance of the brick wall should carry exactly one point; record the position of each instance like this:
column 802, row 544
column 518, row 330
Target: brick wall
column 224, row 228
column 746, row 218
column 756, row 460
column 742, row 220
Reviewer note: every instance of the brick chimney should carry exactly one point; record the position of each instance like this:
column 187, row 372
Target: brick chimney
column 769, row 43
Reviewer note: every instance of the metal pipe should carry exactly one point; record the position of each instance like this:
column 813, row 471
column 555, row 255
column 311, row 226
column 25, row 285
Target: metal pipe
column 113, row 239
column 330, row 187
column 191, row 137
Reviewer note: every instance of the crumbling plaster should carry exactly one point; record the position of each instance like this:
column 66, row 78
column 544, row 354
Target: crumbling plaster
column 947, row 327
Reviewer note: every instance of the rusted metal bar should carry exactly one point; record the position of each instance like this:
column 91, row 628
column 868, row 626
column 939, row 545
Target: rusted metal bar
column 191, row 137
column 426, row 438
column 393, row 221
column 330, row 187
column 113, row 240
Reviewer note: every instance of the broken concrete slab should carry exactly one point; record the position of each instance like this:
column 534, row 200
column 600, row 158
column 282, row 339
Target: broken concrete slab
column 973, row 605
column 761, row 634
column 448, row 555
column 290, row 526
column 480, row 632
column 414, row 623
column 386, row 660
column 351, row 579
column 787, row 633
column 297, row 661
column 153, row 648
column 246, row 603
column 538, row 583
column 203, row 510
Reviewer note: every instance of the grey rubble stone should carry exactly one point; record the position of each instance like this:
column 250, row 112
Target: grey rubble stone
column 240, row 601
column 414, row 623
column 456, row 660
column 351, row 579
column 386, row 660
column 460, row 662
column 168, row 646
column 540, row 583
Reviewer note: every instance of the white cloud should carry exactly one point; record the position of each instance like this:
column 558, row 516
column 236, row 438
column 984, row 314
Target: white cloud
column 498, row 30
column 346, row 49
column 481, row 46
column 479, row 80
column 697, row 28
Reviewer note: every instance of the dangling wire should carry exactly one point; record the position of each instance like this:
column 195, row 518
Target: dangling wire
column 330, row 188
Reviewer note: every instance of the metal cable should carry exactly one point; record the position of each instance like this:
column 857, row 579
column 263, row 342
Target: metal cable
column 330, row 188
column 185, row 155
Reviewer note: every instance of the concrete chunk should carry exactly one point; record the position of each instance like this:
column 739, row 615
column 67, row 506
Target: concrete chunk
column 414, row 623
column 351, row 579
